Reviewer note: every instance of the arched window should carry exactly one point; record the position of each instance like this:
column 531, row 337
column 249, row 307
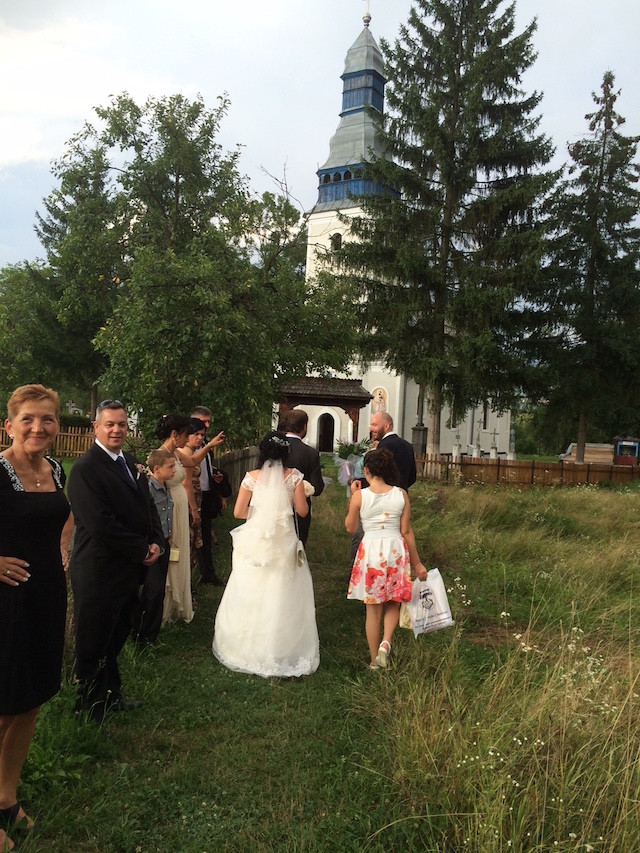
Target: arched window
column 347, row 175
column 337, row 177
column 336, row 242
column 326, row 179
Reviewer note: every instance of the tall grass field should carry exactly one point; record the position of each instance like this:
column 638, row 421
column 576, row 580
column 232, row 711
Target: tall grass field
column 516, row 730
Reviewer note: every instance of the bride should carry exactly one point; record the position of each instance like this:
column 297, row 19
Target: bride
column 266, row 621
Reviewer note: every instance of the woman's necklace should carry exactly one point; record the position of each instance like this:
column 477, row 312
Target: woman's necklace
column 26, row 472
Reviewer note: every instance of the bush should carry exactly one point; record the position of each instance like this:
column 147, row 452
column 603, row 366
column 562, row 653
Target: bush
column 69, row 420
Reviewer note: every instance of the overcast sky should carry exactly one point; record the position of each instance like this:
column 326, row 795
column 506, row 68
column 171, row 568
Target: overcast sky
column 280, row 62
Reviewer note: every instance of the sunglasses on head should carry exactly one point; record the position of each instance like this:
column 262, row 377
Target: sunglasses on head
column 109, row 404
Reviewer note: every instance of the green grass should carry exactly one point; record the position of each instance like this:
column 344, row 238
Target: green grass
column 514, row 730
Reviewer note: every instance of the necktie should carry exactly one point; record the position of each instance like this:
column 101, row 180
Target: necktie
column 120, row 461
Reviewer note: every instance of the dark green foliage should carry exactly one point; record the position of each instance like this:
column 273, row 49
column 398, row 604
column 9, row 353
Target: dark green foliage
column 175, row 286
column 35, row 345
column 592, row 290
column 443, row 268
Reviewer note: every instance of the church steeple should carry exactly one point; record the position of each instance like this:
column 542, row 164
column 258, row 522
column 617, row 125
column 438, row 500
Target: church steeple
column 363, row 87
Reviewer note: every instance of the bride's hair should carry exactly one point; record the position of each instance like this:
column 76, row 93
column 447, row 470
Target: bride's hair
column 168, row 423
column 273, row 447
column 380, row 463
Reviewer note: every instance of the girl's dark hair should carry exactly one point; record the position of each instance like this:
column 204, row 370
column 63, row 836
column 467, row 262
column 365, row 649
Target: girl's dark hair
column 273, row 447
column 196, row 425
column 382, row 464
column 168, row 423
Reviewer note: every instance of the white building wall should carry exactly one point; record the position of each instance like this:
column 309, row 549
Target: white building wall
column 398, row 395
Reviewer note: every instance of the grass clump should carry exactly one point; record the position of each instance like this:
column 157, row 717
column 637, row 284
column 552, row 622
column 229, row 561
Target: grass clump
column 514, row 730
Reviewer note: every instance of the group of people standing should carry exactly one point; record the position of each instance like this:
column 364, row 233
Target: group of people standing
column 126, row 527
column 181, row 473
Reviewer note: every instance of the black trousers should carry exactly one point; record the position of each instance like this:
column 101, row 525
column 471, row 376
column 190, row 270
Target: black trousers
column 102, row 626
column 148, row 618
column 209, row 510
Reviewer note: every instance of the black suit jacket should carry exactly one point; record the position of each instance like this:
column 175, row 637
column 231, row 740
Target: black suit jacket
column 403, row 454
column 116, row 521
column 307, row 460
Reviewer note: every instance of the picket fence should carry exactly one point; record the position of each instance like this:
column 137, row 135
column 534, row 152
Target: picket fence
column 72, row 441
column 446, row 469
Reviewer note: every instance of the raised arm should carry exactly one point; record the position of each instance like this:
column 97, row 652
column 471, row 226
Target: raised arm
column 352, row 520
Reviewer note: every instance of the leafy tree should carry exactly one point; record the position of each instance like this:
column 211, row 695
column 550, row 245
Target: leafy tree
column 183, row 288
column 33, row 343
column 83, row 236
column 442, row 260
column 593, row 286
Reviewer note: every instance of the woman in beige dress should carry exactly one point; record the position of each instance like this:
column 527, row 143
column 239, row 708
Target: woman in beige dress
column 173, row 430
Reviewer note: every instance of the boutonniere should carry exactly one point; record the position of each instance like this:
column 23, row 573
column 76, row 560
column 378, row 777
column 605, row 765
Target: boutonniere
column 140, row 469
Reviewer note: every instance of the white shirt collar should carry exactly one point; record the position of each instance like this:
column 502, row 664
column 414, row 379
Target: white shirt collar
column 113, row 455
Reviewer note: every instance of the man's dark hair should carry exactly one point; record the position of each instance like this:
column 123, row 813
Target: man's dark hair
column 294, row 420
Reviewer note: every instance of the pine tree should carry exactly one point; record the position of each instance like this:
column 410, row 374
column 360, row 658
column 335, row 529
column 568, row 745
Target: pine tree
column 444, row 258
column 594, row 280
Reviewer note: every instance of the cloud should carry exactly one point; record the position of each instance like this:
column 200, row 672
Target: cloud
column 57, row 74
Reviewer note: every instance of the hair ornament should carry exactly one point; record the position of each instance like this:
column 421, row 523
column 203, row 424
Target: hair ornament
column 281, row 442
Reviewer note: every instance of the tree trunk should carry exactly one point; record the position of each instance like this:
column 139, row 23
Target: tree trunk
column 434, row 415
column 582, row 436
column 94, row 399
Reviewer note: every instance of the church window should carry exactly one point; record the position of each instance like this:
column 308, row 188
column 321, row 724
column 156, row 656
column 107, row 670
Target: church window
column 347, row 175
column 337, row 177
column 336, row 242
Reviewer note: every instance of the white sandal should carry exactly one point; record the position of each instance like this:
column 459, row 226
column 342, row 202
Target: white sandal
column 384, row 652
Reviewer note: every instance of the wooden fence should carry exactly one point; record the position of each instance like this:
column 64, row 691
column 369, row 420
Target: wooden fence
column 72, row 441
column 497, row 472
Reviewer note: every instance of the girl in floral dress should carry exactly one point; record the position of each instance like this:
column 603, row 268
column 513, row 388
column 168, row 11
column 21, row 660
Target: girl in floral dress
column 381, row 574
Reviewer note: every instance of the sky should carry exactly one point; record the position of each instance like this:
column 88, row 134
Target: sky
column 279, row 62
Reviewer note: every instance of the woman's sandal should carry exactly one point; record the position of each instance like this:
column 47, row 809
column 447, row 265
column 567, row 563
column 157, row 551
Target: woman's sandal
column 384, row 651
column 10, row 820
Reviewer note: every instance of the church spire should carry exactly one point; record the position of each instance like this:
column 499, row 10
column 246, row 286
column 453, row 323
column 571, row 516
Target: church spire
column 367, row 15
column 363, row 89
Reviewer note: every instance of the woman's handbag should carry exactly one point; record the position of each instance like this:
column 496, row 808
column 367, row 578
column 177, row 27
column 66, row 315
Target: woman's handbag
column 174, row 554
column 429, row 608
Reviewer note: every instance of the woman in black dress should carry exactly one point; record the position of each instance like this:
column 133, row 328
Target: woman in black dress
column 35, row 528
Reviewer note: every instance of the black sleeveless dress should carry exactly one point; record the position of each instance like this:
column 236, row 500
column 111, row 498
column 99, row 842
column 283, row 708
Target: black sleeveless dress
column 32, row 615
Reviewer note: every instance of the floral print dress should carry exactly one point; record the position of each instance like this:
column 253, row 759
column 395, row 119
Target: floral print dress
column 382, row 569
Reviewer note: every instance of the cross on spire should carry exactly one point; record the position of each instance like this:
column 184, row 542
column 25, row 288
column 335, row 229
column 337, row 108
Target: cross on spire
column 367, row 14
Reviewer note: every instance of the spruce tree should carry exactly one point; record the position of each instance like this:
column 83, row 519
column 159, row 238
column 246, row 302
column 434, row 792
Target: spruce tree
column 443, row 259
column 593, row 281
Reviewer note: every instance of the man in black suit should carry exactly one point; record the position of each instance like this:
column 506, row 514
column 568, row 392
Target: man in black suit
column 118, row 534
column 215, row 490
column 303, row 457
column 381, row 431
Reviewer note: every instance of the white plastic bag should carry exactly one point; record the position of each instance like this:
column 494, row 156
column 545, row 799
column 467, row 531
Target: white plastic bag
column 429, row 607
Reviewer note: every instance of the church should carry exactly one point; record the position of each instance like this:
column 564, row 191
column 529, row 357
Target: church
column 341, row 408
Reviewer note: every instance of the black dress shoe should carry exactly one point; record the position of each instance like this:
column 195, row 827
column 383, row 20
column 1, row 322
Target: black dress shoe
column 126, row 704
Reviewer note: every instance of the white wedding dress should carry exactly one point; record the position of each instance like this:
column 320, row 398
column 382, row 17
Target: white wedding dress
column 266, row 621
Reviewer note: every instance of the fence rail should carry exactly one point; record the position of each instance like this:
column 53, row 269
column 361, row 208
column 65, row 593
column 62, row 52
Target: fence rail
column 72, row 441
column 445, row 469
